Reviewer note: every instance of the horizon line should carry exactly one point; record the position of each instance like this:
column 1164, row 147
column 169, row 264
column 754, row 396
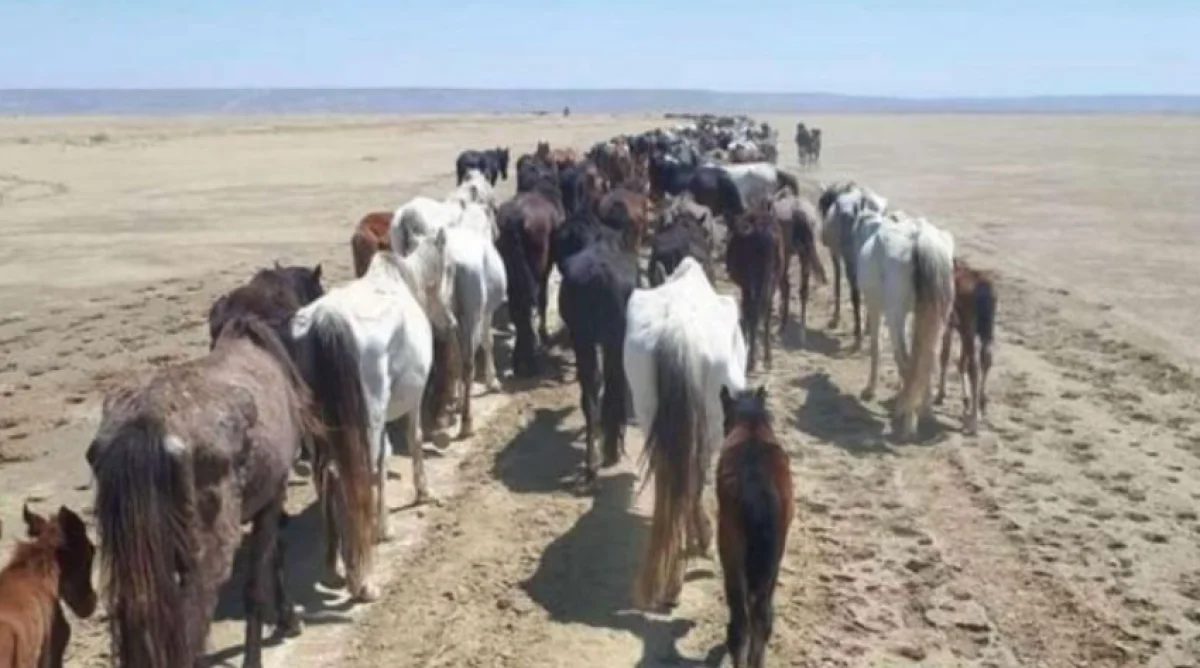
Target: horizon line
column 519, row 89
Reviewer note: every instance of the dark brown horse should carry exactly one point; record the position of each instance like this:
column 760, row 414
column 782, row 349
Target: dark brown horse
column 800, row 225
column 370, row 235
column 181, row 462
column 55, row 564
column 754, row 260
column 272, row 294
column 974, row 317
column 629, row 213
column 527, row 223
column 755, row 507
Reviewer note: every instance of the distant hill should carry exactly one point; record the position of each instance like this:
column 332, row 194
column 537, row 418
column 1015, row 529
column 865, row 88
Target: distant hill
column 430, row 100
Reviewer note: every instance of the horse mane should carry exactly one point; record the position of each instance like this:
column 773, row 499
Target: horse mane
column 36, row 556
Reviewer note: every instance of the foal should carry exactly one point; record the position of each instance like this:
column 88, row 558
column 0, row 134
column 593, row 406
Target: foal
column 974, row 316
column 55, row 564
column 754, row 511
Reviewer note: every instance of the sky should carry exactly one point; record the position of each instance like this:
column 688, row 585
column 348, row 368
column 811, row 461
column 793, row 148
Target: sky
column 914, row 48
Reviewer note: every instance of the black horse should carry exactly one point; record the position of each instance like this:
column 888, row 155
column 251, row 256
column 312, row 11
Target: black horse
column 597, row 282
column 492, row 162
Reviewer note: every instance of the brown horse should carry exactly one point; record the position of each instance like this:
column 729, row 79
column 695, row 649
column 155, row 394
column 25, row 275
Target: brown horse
column 181, row 462
column 55, row 564
column 755, row 506
column 754, row 260
column 370, row 235
column 527, row 223
column 272, row 294
column 799, row 224
column 627, row 212
column 974, row 316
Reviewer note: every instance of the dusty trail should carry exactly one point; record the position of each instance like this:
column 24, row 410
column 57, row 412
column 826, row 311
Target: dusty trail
column 1067, row 534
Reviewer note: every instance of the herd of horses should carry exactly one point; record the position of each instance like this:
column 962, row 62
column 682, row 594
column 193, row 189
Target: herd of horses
column 297, row 372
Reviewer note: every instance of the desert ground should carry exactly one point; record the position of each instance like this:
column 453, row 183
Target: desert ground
column 1065, row 534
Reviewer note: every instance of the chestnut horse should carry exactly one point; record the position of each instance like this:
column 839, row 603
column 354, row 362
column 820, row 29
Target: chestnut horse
column 974, row 316
column 755, row 506
column 55, row 564
column 370, row 235
column 799, row 224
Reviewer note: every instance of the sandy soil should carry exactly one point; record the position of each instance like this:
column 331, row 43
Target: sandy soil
column 1066, row 535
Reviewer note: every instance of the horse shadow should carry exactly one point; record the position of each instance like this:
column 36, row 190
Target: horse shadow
column 816, row 340
column 586, row 577
column 837, row 417
column 543, row 457
column 304, row 569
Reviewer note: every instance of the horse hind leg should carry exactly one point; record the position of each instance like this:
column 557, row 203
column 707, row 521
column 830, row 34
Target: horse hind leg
column 947, row 343
column 587, row 371
column 836, row 320
column 612, row 408
column 288, row 615
column 329, row 501
column 489, row 361
column 985, row 364
column 868, row 392
column 805, row 274
column 785, row 293
column 970, row 359
column 466, row 351
column 735, row 594
column 762, row 620
column 263, row 536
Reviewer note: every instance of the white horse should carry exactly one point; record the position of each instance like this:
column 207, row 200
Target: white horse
column 906, row 265
column 422, row 216
column 480, row 287
column 683, row 344
column 841, row 204
column 375, row 333
column 759, row 180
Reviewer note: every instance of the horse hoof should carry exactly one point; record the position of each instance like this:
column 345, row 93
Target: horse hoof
column 292, row 623
column 867, row 394
column 366, row 593
column 427, row 499
column 385, row 533
column 465, row 432
column 494, row 386
column 937, row 401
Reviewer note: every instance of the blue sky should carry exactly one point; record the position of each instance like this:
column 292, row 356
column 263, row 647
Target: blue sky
column 914, row 48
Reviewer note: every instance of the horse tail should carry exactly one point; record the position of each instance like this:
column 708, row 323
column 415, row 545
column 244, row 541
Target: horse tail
column 518, row 267
column 331, row 361
column 672, row 452
column 804, row 239
column 933, row 288
column 145, row 510
column 762, row 477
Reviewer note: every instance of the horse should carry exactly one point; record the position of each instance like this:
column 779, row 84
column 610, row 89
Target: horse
column 582, row 185
column 683, row 344
column 798, row 222
column 905, row 265
column 272, row 294
column 422, row 216
column 492, row 163
column 755, row 507
column 840, row 205
column 480, row 286
column 628, row 212
column 597, row 282
column 180, row 462
column 713, row 187
column 687, row 234
column 527, row 223
column 754, row 261
column 974, row 316
column 760, row 180
column 370, row 235
column 54, row 565
column 368, row 350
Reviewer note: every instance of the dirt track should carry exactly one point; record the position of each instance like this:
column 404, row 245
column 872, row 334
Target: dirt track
column 1066, row 535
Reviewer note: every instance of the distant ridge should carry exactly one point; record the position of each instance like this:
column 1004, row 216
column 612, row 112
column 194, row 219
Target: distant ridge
column 434, row 100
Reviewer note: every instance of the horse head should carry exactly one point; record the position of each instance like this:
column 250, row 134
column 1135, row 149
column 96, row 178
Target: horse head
column 66, row 536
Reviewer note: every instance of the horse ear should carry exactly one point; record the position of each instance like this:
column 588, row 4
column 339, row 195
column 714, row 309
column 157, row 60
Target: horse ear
column 70, row 522
column 34, row 524
column 761, row 392
column 439, row 240
column 317, row 271
column 277, row 265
